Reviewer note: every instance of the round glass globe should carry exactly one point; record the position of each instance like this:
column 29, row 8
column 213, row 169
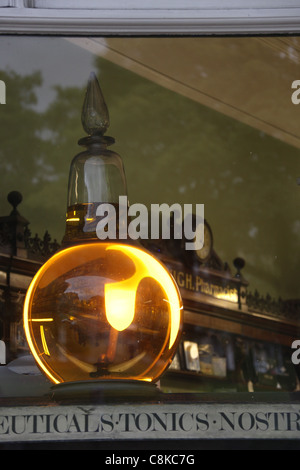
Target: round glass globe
column 103, row 311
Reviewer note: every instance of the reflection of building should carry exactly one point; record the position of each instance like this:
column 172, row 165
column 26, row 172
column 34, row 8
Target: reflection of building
column 20, row 257
column 232, row 339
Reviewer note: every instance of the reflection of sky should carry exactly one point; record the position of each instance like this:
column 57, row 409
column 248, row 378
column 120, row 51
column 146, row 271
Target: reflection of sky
column 85, row 286
column 69, row 66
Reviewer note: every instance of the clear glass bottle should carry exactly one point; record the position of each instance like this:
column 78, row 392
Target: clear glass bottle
column 97, row 175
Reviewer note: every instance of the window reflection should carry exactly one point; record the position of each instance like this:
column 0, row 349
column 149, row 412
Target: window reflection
column 197, row 120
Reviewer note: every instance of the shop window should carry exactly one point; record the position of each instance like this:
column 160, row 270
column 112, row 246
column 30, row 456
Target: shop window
column 196, row 121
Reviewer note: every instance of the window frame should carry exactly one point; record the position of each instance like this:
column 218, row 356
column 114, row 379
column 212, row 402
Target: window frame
column 163, row 17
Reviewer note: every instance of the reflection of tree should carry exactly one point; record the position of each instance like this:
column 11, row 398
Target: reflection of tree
column 22, row 150
column 62, row 118
column 188, row 153
column 36, row 150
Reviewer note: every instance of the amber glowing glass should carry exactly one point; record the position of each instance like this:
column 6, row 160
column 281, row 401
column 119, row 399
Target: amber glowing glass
column 103, row 311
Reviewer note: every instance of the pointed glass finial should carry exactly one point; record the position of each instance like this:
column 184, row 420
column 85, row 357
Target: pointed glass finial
column 94, row 116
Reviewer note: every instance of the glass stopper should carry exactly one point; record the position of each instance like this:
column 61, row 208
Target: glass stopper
column 94, row 116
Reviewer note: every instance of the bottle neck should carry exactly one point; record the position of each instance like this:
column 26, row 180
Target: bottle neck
column 97, row 177
column 99, row 140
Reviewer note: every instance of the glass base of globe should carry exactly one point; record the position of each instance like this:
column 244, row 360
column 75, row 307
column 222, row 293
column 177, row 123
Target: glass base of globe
column 104, row 390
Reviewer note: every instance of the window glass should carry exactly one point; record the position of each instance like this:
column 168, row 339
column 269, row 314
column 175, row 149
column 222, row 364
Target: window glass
column 210, row 121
